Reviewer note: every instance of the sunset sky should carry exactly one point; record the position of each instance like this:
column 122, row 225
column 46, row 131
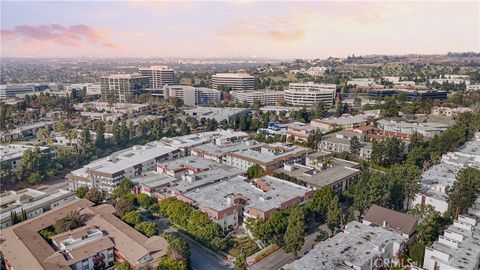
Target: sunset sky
column 237, row 28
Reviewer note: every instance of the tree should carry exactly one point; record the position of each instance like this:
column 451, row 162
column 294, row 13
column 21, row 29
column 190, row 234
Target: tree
column 148, row 228
column 318, row 204
column 169, row 263
column 73, row 220
column 416, row 252
column 34, row 178
column 177, row 247
column 132, row 218
column 354, row 146
column 465, row 191
column 334, row 214
column 254, row 171
column 14, row 217
column 123, row 206
column 387, row 152
column 81, row 191
column 43, row 134
column 122, row 266
column 145, row 201
column 241, row 261
column 100, row 135
column 94, row 195
column 295, row 231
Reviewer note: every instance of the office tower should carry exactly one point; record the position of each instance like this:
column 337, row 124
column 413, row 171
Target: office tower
column 158, row 76
column 121, row 87
column 307, row 94
column 233, row 81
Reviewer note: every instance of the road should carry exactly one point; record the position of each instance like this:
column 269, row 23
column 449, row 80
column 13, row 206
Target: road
column 201, row 258
column 279, row 258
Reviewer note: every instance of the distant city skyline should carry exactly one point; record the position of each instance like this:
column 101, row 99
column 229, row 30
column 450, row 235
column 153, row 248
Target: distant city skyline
column 237, row 28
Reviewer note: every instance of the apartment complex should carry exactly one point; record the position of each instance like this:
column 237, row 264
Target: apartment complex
column 218, row 153
column 299, row 132
column 308, row 94
column 346, row 122
column 267, row 156
column 439, row 177
column 30, row 201
column 358, row 246
column 457, row 249
column 427, row 129
column 339, row 174
column 122, row 87
column 106, row 173
column 231, row 202
column 219, row 114
column 192, row 96
column 340, row 142
column 24, row 131
column 233, row 81
column 390, row 219
column 158, row 76
column 102, row 241
column 449, row 112
column 473, row 87
column 11, row 154
column 264, row 97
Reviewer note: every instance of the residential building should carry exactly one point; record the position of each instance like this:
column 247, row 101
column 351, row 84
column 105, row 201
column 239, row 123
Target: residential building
column 215, row 152
column 158, row 76
column 362, row 82
column 457, row 249
column 308, row 94
column 117, row 107
column 280, row 110
column 11, row 154
column 231, row 202
column 221, row 115
column 390, row 219
column 450, row 112
column 233, row 81
column 106, row 173
column 264, row 97
column 410, row 94
column 316, row 71
column 346, row 122
column 30, row 201
column 122, row 87
column 427, row 129
column 337, row 173
column 358, row 246
column 102, row 241
column 473, row 87
column 340, row 142
column 273, row 129
column 29, row 130
column 451, row 78
column 192, row 96
column 439, row 177
column 299, row 132
column 267, row 156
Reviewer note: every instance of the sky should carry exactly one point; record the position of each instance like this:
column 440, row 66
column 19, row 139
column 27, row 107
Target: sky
column 236, row 28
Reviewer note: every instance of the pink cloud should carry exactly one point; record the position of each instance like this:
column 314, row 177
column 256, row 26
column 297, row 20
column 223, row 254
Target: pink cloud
column 75, row 35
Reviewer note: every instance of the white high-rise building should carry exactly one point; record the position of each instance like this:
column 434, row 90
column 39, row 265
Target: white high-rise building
column 307, row 94
column 158, row 76
column 233, row 81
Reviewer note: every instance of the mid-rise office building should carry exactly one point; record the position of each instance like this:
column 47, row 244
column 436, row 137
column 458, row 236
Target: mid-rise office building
column 233, row 81
column 192, row 96
column 308, row 94
column 12, row 90
column 158, row 76
column 265, row 97
column 122, row 87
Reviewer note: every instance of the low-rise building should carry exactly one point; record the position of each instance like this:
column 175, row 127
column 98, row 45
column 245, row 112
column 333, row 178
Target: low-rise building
column 219, row 114
column 393, row 220
column 346, row 122
column 21, row 132
column 337, row 173
column 280, row 110
column 457, row 249
column 299, row 132
column 340, row 142
column 31, row 202
column 362, row 82
column 106, row 173
column 441, row 176
column 273, row 129
column 410, row 94
column 11, row 154
column 428, row 129
column 359, row 246
column 267, row 156
column 473, row 87
column 102, row 241
column 450, row 112
column 264, row 97
column 121, row 108
column 212, row 151
column 231, row 202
